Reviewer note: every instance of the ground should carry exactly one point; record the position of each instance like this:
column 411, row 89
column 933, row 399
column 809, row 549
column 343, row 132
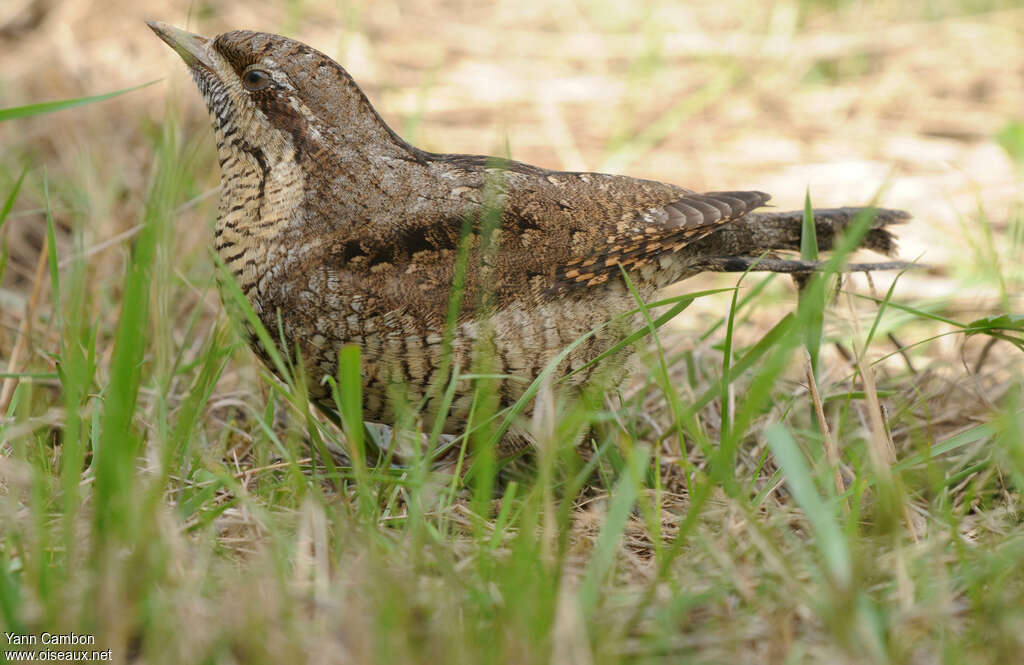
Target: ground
column 160, row 491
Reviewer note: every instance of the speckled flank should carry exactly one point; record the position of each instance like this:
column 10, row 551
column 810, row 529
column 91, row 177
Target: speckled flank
column 331, row 221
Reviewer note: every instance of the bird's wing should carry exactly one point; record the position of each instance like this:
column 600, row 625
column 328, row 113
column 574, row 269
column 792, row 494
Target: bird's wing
column 656, row 230
column 559, row 232
column 580, row 228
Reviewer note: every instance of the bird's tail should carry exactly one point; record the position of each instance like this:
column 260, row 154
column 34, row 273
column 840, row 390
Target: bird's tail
column 751, row 243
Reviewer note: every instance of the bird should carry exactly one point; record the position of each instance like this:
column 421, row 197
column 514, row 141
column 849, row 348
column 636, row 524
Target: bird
column 339, row 232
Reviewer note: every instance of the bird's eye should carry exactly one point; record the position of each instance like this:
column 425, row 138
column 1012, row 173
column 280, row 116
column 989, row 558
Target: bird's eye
column 255, row 79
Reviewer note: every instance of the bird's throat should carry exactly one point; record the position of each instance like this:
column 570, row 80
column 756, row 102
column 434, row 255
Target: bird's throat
column 260, row 194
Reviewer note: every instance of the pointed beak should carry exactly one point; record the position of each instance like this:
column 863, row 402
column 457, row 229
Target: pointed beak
column 192, row 48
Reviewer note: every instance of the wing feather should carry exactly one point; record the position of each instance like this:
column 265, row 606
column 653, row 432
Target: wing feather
column 672, row 226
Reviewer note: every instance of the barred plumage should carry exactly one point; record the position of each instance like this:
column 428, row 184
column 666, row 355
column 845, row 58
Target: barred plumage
column 339, row 232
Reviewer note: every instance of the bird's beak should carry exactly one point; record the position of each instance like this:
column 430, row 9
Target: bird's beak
column 192, row 48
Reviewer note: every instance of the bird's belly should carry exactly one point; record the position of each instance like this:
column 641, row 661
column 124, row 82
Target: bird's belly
column 407, row 364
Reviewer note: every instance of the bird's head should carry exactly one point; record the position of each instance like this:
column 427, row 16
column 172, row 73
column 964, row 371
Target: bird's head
column 274, row 93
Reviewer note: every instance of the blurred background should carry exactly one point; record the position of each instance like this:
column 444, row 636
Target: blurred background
column 918, row 105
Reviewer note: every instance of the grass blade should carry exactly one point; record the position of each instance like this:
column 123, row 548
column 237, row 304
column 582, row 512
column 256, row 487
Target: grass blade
column 619, row 509
column 811, row 306
column 827, row 533
column 40, row 108
column 12, row 196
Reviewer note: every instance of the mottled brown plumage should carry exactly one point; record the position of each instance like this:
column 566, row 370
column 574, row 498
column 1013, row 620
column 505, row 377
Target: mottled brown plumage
column 330, row 221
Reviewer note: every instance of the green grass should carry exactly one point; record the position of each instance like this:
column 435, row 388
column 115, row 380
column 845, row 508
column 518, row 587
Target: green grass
column 141, row 505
